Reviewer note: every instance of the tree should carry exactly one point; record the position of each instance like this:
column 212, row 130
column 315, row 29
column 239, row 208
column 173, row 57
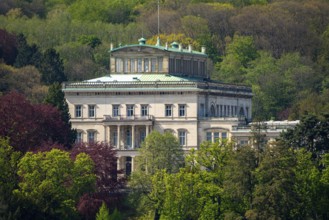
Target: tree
column 8, row 179
column 109, row 181
column 29, row 126
column 239, row 53
column 56, row 98
column 52, row 183
column 8, row 50
column 239, row 181
column 51, row 67
column 160, row 151
column 103, row 213
column 311, row 133
column 275, row 196
column 27, row 55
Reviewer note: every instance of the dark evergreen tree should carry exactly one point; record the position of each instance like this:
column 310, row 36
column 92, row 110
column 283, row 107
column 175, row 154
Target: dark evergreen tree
column 311, row 133
column 56, row 98
column 51, row 67
column 27, row 55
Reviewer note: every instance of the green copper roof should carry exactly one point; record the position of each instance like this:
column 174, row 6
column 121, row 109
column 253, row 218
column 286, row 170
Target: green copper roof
column 174, row 48
column 142, row 78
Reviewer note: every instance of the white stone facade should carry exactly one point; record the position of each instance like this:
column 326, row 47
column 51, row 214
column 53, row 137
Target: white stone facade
column 123, row 107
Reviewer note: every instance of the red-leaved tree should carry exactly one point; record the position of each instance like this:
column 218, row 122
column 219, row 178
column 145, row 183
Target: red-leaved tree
column 29, row 126
column 109, row 179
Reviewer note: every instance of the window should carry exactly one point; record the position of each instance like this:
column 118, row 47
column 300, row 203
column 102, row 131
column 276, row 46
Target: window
column 216, row 136
column 91, row 111
column 125, row 67
column 78, row 111
column 91, row 137
column 79, row 137
column 221, row 111
column 115, row 110
column 153, row 64
column 202, row 110
column 139, row 65
column 160, row 64
column 115, row 138
column 130, row 110
column 146, row 65
column 181, row 110
column 119, row 65
column 128, row 138
column 132, row 65
column 182, row 138
column 224, row 135
column 142, row 136
column 168, row 111
column 144, row 110
column 209, row 136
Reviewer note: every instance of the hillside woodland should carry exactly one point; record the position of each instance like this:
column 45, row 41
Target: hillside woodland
column 278, row 47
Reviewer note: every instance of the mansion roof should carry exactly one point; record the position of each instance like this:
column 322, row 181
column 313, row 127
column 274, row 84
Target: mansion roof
column 154, row 82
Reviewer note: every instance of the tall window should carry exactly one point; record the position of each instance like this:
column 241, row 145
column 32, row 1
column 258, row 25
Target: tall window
column 142, row 136
column 160, row 64
column 115, row 138
column 128, row 138
column 146, row 65
column 125, row 66
column 168, row 110
column 115, row 110
column 130, row 110
column 79, row 137
column 181, row 110
column 182, row 137
column 119, row 65
column 224, row 135
column 139, row 65
column 209, row 136
column 91, row 111
column 132, row 65
column 216, row 136
column 202, row 110
column 153, row 65
column 91, row 137
column 78, row 111
column 144, row 110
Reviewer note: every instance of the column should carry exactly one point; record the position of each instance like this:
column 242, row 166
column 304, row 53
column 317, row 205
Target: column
column 146, row 130
column 118, row 144
column 118, row 163
column 132, row 164
column 109, row 135
column 105, row 134
column 132, row 136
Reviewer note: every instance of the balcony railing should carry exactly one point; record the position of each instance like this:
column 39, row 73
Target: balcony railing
column 128, row 118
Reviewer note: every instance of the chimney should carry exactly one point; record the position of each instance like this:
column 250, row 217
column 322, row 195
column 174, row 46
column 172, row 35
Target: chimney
column 190, row 48
column 142, row 41
column 158, row 42
column 203, row 49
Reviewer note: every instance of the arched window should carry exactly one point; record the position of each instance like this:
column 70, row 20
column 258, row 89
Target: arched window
column 212, row 111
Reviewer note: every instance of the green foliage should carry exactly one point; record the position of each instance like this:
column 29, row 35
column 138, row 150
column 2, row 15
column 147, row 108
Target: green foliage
column 103, row 213
column 274, row 195
column 53, row 183
column 55, row 97
column 90, row 40
column 239, row 53
column 51, row 68
column 8, row 178
column 160, row 151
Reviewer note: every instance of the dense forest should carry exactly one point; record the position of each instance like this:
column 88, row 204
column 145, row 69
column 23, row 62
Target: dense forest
column 278, row 47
